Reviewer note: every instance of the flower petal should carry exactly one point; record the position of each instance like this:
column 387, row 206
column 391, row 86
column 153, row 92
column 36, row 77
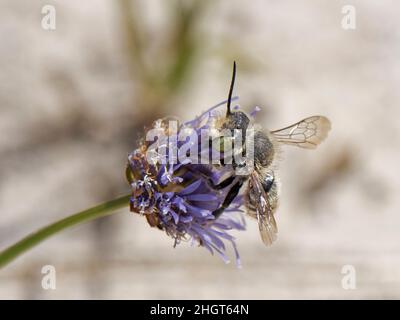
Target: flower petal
column 190, row 188
column 202, row 197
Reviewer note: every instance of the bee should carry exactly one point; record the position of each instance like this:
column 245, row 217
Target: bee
column 261, row 184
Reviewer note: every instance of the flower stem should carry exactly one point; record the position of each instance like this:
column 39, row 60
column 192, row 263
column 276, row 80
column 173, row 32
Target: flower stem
column 101, row 210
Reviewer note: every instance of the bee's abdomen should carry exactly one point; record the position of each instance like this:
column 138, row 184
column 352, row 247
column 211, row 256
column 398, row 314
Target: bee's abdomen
column 263, row 149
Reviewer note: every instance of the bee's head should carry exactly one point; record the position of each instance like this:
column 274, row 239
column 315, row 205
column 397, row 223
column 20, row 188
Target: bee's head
column 236, row 120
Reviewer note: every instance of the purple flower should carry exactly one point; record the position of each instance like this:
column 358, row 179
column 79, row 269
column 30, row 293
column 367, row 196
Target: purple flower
column 179, row 198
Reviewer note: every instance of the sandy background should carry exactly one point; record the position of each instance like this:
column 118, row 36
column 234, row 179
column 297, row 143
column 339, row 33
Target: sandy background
column 73, row 102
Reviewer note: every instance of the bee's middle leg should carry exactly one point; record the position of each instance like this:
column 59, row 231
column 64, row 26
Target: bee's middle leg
column 223, row 184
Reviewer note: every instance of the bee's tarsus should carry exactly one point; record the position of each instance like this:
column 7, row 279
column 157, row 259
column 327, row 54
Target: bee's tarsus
column 228, row 110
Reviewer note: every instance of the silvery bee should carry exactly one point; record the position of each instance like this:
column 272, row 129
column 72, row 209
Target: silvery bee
column 261, row 184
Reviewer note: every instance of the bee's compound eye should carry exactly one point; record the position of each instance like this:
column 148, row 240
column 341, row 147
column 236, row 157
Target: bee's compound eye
column 268, row 181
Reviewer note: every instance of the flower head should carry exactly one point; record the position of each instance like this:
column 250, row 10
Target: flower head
column 179, row 197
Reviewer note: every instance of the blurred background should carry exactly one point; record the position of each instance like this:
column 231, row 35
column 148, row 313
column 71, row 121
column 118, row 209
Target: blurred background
column 73, row 102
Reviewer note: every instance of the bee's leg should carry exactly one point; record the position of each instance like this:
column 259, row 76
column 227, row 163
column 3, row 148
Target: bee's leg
column 233, row 192
column 223, row 184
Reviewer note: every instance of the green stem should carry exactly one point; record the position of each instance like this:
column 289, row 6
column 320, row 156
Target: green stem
column 106, row 208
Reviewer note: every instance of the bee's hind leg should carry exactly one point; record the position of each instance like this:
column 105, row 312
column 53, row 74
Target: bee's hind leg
column 233, row 192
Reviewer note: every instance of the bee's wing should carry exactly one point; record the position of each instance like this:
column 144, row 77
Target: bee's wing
column 307, row 133
column 264, row 213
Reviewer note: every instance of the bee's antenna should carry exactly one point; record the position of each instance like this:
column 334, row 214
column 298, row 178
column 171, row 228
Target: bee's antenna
column 228, row 111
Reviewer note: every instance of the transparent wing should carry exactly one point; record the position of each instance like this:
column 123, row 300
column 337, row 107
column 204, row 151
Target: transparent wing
column 264, row 213
column 307, row 133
